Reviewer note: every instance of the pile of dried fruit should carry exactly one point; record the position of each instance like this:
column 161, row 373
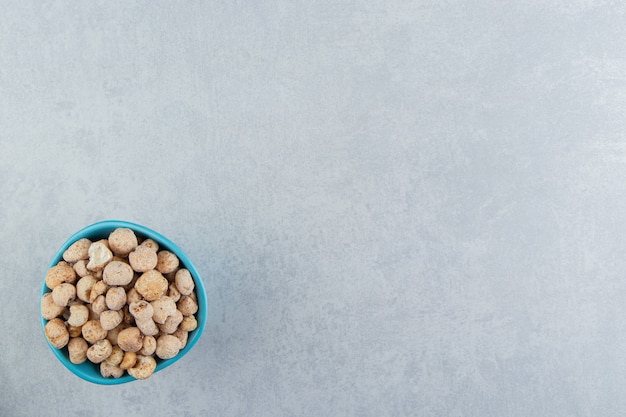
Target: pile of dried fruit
column 119, row 302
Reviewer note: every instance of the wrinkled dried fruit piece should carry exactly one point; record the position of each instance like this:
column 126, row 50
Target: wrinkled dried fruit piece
column 109, row 370
column 93, row 331
column 115, row 298
column 130, row 339
column 50, row 309
column 63, row 294
column 117, row 273
column 77, row 251
column 110, row 319
column 167, row 346
column 163, row 308
column 77, row 349
column 122, row 241
column 79, row 314
column 187, row 305
column 129, row 360
column 143, row 259
column 166, row 262
column 99, row 351
column 151, row 285
column 56, row 333
column 143, row 368
column 60, row 273
column 99, row 256
column 84, row 287
column 149, row 346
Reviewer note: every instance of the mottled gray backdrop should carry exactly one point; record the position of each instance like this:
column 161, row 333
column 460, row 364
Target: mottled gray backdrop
column 398, row 208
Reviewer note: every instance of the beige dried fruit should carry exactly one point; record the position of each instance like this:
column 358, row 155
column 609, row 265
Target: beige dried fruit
column 75, row 331
column 147, row 327
column 132, row 296
column 150, row 244
column 172, row 322
column 182, row 336
column 57, row 333
column 130, row 340
column 98, row 289
column 117, row 273
column 113, row 333
column 77, row 349
column 122, row 241
column 77, row 251
column 93, row 331
column 151, row 285
column 173, row 292
column 149, row 346
column 109, row 370
column 49, row 309
column 84, row 287
column 189, row 323
column 60, row 273
column 80, row 267
column 142, row 312
column 63, row 294
column 167, row 346
column 184, row 282
column 116, row 356
column 129, row 360
column 163, row 308
column 143, row 368
column 166, row 262
column 115, row 298
column 99, row 256
column 187, row 305
column 143, row 259
column 99, row 351
column 110, row 319
column 99, row 305
column 79, row 314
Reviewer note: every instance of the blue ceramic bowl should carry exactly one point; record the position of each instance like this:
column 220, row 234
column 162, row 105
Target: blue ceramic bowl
column 91, row 372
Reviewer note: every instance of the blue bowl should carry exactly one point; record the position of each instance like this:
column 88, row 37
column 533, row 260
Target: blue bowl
column 101, row 230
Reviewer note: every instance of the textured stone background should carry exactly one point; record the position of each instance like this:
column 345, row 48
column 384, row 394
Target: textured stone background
column 398, row 208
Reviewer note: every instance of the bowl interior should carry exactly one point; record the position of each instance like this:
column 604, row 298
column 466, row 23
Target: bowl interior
column 91, row 372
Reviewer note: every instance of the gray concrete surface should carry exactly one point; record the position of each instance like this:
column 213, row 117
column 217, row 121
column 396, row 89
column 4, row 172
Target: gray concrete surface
column 398, row 208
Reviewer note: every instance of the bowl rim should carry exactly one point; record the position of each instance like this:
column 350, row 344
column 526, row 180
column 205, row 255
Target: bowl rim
column 104, row 228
